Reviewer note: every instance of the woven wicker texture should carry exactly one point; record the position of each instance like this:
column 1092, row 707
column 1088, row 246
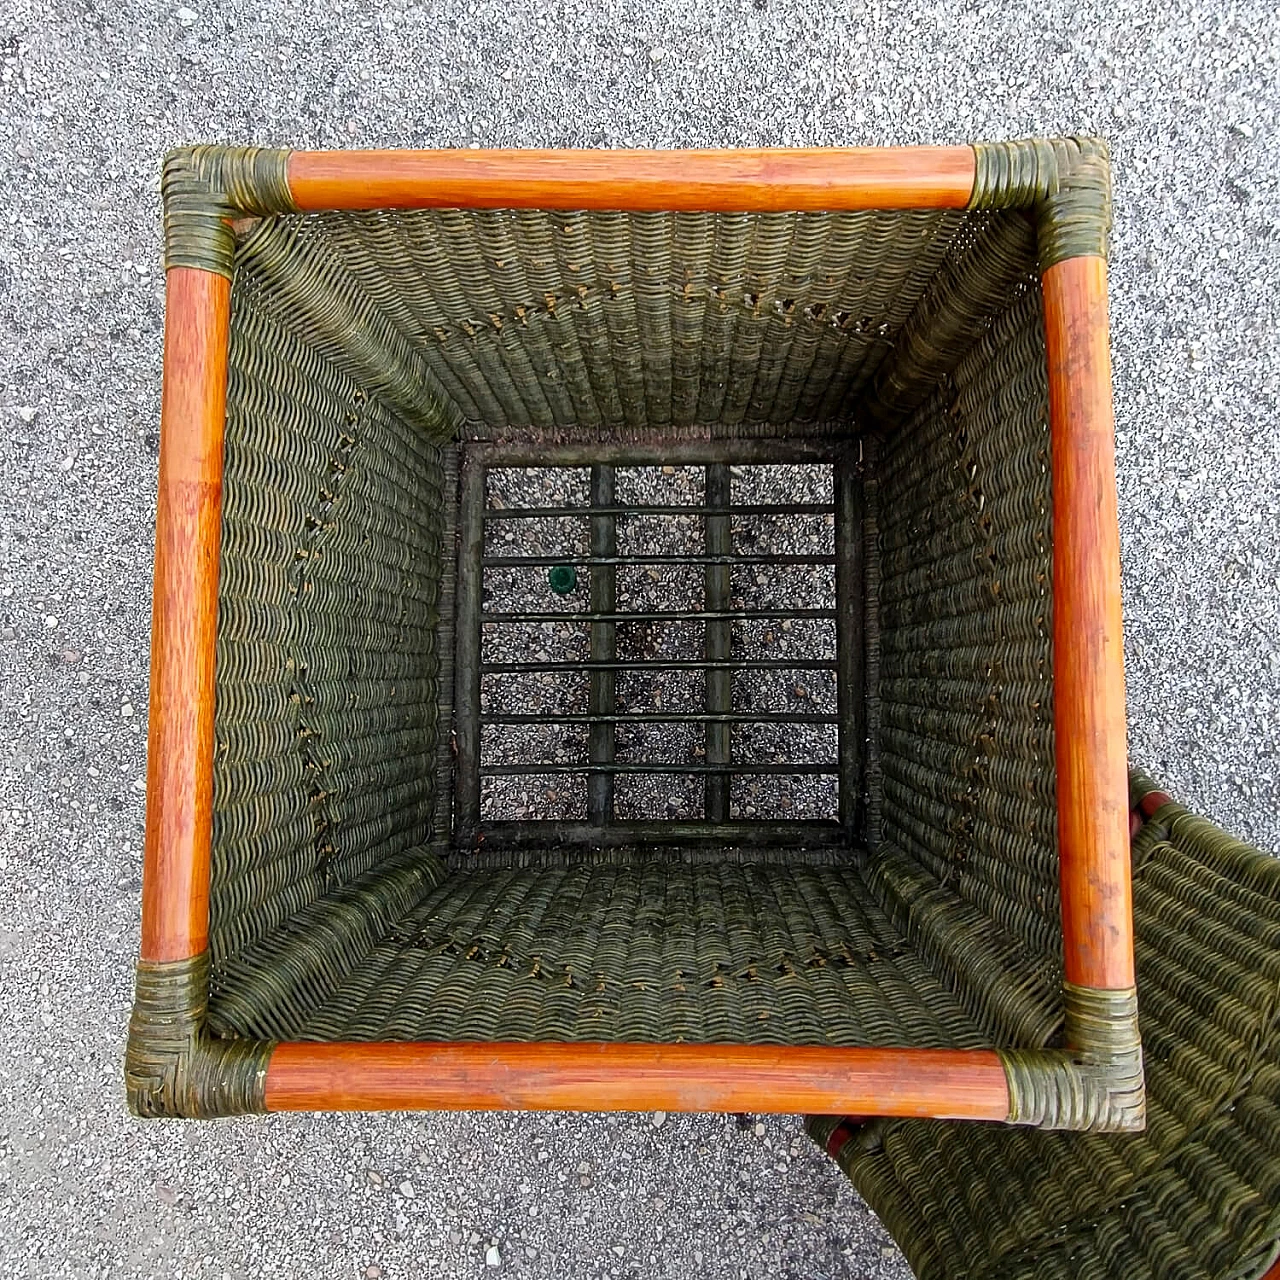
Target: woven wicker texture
column 648, row 949
column 331, row 561
column 1198, row 1195
column 965, row 816
column 361, row 345
column 638, row 322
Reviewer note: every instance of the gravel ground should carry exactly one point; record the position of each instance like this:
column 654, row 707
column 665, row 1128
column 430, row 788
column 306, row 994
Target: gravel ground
column 665, row 588
column 93, row 95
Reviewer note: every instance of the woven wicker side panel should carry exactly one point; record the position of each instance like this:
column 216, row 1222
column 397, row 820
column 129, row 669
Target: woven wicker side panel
column 269, row 989
column 965, row 693
column 991, row 259
column 658, row 951
column 326, row 665
column 644, row 321
column 1196, row 1195
column 286, row 271
column 1012, row 991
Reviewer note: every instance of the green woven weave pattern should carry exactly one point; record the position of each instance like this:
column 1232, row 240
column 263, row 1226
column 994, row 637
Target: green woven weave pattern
column 1196, row 1196
column 967, row 808
column 639, row 322
column 362, row 345
column 326, row 643
column 647, row 950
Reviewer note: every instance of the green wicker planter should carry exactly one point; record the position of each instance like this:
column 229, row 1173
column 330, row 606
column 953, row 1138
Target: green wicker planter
column 342, row 907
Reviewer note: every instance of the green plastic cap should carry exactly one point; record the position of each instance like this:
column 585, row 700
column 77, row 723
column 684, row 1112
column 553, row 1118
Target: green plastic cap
column 562, row 578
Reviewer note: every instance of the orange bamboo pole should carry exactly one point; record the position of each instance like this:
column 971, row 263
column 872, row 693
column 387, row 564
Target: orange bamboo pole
column 1088, row 699
column 175, row 878
column 955, row 1084
column 815, row 179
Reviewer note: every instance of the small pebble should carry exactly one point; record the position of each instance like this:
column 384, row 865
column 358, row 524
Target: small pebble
column 372, row 1271
column 186, row 17
column 126, row 710
column 492, row 1258
column 455, row 1236
column 373, row 1177
column 51, row 622
column 759, row 1128
column 406, row 1189
column 659, row 1119
column 657, row 55
column 26, row 414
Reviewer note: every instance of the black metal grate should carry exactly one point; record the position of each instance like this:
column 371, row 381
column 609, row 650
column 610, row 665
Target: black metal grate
column 700, row 682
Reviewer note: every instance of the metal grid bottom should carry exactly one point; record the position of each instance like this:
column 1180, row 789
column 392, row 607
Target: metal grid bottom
column 701, row 681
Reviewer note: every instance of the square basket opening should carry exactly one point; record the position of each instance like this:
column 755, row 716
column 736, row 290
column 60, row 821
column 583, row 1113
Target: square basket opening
column 658, row 647
column 636, row 627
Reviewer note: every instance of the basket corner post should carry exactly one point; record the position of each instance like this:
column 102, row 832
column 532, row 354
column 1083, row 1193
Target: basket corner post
column 1066, row 185
column 173, row 1067
column 1097, row 1084
column 205, row 188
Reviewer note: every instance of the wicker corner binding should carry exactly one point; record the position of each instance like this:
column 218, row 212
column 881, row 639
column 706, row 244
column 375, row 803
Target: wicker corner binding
column 368, row 377
column 173, row 1067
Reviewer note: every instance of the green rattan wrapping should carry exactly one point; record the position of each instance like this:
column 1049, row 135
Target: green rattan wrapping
column 1065, row 181
column 204, row 188
column 1099, row 1084
column 1198, row 1194
column 172, row 1068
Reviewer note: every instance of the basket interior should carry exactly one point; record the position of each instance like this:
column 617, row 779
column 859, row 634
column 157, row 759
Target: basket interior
column 814, row 806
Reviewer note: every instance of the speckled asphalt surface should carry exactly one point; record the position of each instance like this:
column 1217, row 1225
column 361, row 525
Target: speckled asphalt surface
column 91, row 95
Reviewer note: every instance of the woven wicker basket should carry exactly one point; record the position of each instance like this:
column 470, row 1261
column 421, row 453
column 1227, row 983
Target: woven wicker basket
column 358, row 603
column 1197, row 1196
